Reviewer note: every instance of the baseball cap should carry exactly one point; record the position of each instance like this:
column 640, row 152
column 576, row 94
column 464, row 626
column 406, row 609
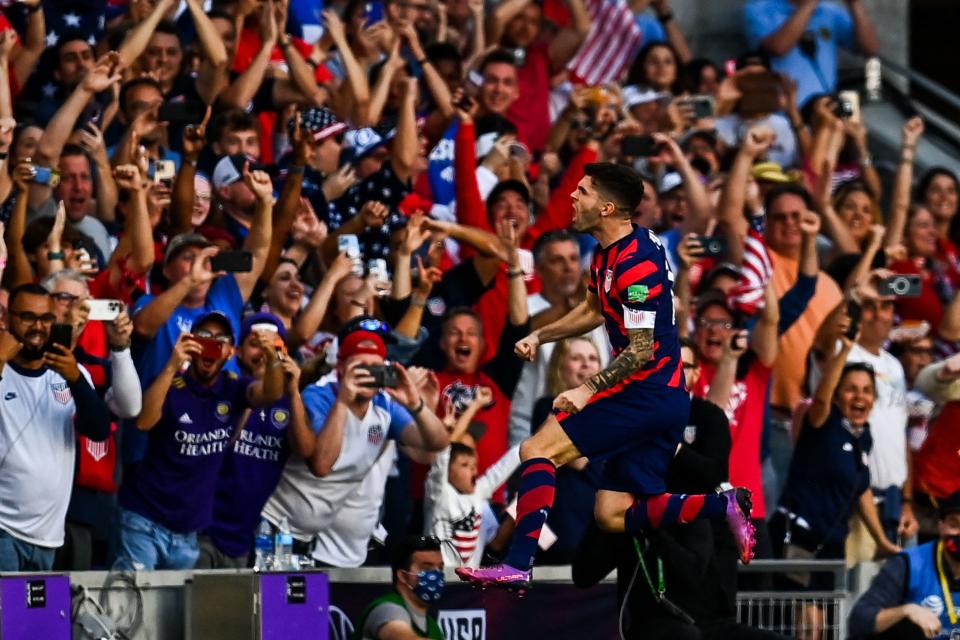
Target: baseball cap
column 353, row 344
column 722, row 269
column 249, row 324
column 710, row 298
column 367, row 140
column 670, row 181
column 950, row 504
column 214, row 316
column 182, row 241
column 319, row 122
column 508, row 185
column 634, row 95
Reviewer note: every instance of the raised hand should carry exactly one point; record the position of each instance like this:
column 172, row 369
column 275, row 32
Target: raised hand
column 120, row 330
column 374, row 213
column 200, row 271
column 414, row 234
column 128, row 177
column 259, row 182
column 526, row 349
column 61, row 359
column 7, row 41
column 338, row 182
column 334, row 26
column 184, row 350
column 809, row 223
column 195, row 136
column 912, row 132
column 104, row 74
column 758, row 140
column 91, row 139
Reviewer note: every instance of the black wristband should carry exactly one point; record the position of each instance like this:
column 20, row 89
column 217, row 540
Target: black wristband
column 416, row 412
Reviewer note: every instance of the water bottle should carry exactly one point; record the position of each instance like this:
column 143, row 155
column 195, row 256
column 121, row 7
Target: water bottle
column 284, row 546
column 264, row 547
column 873, row 72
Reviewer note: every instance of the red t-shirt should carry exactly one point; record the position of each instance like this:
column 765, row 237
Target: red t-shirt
column 745, row 411
column 935, row 464
column 531, row 111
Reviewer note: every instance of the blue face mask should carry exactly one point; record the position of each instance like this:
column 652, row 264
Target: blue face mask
column 429, row 585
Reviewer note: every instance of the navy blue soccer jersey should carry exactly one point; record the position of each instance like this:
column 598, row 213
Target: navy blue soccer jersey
column 633, row 282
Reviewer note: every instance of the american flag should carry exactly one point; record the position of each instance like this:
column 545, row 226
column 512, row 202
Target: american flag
column 612, row 43
column 755, row 273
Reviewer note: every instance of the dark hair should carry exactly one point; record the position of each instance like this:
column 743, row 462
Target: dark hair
column 169, row 27
column 865, row 367
column 401, row 553
column 223, row 14
column 749, row 58
column 440, row 51
column 493, row 123
column 232, row 120
column 551, row 237
column 691, row 73
column 686, row 342
column 928, row 177
column 501, row 56
column 637, row 75
column 67, row 36
column 37, row 231
column 130, row 85
column 30, row 288
column 619, row 183
column 787, row 189
column 460, row 449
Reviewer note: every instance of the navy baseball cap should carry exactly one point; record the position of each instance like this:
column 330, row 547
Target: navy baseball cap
column 214, row 316
column 248, row 324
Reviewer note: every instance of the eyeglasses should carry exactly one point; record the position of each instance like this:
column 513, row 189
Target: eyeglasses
column 30, row 317
column 707, row 323
column 220, row 337
column 63, row 296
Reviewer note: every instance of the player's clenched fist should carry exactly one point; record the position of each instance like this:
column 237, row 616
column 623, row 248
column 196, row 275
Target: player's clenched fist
column 526, row 349
column 572, row 400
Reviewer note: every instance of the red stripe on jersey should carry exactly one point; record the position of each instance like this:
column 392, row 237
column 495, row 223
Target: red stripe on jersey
column 636, row 376
column 676, row 377
column 654, row 292
column 629, row 251
column 636, row 273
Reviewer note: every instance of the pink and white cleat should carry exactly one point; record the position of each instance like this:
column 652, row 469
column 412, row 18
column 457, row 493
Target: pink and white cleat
column 739, row 507
column 499, row 575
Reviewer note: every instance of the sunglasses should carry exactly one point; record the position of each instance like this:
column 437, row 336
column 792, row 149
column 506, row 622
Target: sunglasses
column 220, row 337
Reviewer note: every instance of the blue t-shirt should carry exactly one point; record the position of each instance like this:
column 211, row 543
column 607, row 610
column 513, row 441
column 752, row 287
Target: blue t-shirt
column 828, row 473
column 250, row 472
column 831, row 27
column 440, row 169
column 224, row 296
column 174, row 485
column 651, row 28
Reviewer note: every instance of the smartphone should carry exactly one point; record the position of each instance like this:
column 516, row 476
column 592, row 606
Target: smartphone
column 639, row 146
column 384, row 376
column 372, row 13
column 106, row 310
column 46, row 175
column 519, row 150
column 713, row 246
column 901, row 286
column 703, row 106
column 349, row 244
column 471, row 87
column 211, row 348
column 232, row 261
column 164, row 172
column 848, row 105
column 182, row 112
column 853, row 312
column 61, row 334
column 378, row 269
column 738, row 341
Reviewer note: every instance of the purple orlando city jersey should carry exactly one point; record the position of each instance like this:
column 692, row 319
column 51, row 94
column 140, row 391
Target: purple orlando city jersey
column 632, row 280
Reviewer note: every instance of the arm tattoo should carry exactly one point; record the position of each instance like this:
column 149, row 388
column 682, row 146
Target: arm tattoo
column 631, row 359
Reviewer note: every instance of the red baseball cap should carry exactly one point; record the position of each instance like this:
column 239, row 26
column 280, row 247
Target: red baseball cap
column 356, row 343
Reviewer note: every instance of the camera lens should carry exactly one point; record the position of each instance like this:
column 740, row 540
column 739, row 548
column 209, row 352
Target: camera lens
column 899, row 285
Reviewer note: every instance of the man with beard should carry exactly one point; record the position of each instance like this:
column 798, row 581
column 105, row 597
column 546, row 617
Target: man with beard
column 191, row 417
column 44, row 395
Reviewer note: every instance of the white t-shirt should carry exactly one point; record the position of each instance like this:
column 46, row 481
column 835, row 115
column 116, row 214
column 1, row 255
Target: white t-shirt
column 37, row 449
column 888, row 418
column 533, row 378
column 311, row 503
column 344, row 543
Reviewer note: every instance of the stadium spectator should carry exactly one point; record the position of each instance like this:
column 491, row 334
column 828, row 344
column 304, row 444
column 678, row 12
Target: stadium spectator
column 191, row 418
column 48, row 397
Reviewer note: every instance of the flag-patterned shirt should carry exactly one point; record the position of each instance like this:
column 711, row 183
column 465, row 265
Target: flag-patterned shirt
column 633, row 282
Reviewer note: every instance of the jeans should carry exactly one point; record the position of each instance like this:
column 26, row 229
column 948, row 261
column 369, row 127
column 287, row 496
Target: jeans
column 17, row 555
column 146, row 545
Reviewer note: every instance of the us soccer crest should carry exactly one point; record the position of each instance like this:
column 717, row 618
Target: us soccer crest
column 375, row 435
column 279, row 418
column 223, row 411
column 61, row 392
column 690, row 433
column 608, row 281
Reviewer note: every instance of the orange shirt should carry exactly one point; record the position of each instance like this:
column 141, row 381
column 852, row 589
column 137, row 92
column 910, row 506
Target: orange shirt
column 795, row 344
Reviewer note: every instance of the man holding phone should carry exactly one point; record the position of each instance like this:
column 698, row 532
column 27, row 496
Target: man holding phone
column 191, row 418
column 352, row 420
column 803, row 38
column 46, row 396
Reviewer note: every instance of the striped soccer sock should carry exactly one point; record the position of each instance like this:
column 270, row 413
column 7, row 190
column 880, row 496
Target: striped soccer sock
column 538, row 479
column 666, row 509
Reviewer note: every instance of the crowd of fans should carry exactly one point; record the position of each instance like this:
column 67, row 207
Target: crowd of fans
column 284, row 199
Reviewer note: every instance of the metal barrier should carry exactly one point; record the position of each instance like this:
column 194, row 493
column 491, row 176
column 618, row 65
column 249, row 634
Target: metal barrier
column 797, row 614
